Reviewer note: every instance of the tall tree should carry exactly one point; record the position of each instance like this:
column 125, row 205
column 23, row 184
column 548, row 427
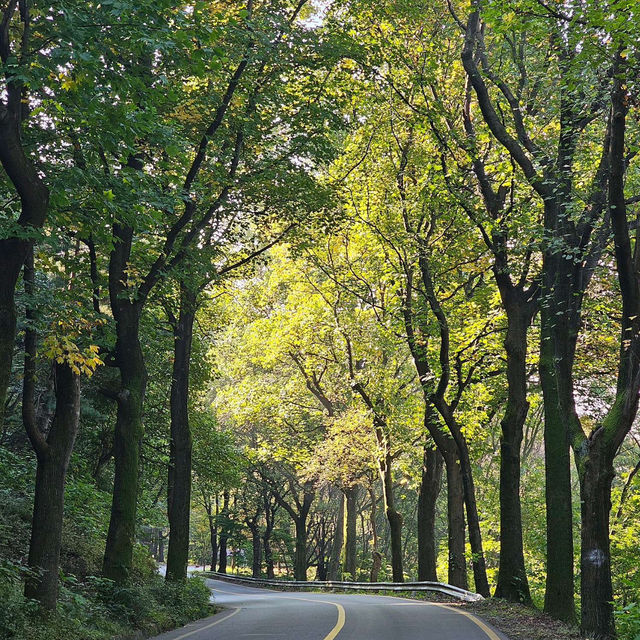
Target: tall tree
column 16, row 240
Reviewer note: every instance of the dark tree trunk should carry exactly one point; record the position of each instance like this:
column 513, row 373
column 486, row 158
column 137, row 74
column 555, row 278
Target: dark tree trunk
column 351, row 507
column 269, row 514
column 12, row 255
column 179, row 486
column 596, row 453
column 298, row 510
column 338, row 543
column 222, row 563
column 268, row 556
column 375, row 566
column 457, row 574
column 596, row 590
column 118, row 555
column 430, row 484
column 53, row 460
column 300, row 554
column 558, row 600
column 393, row 516
column 213, row 536
column 34, row 202
column 512, row 577
column 475, row 537
column 161, row 548
column 224, row 534
column 256, row 565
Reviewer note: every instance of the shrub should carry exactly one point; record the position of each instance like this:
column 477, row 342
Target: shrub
column 628, row 622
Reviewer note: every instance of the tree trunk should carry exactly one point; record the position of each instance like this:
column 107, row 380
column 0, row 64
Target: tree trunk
column 53, row 460
column 394, row 518
column 475, row 537
column 129, row 359
column 300, row 555
column 512, row 577
column 222, row 563
column 213, row 536
column 558, row 599
column 338, row 541
column 429, row 490
column 256, row 565
column 269, row 514
column 351, row 507
column 179, row 485
column 118, row 554
column 596, row 590
column 160, row 547
column 34, row 202
column 457, row 574
column 12, row 255
column 224, row 534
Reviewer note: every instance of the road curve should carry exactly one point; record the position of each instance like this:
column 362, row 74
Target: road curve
column 262, row 614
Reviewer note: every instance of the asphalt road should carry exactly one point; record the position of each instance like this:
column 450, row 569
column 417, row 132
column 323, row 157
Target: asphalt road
column 262, row 614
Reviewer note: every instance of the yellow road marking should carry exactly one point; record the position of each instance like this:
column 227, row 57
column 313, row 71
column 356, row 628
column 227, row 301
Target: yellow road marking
column 341, row 615
column 491, row 634
column 330, row 636
column 213, row 624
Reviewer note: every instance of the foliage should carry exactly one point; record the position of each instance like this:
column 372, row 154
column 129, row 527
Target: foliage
column 97, row 609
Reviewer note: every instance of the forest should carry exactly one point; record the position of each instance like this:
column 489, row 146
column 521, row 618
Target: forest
column 318, row 290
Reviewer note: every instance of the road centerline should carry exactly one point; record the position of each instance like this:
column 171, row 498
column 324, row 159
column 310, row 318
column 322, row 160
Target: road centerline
column 330, row 636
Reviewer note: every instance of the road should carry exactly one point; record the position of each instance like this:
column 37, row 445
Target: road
column 262, row 614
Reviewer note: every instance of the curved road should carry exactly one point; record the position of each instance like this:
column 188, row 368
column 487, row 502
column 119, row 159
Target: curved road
column 262, row 614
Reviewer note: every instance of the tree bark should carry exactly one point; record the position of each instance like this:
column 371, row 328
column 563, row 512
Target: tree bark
column 430, row 485
column 224, row 534
column 596, row 589
column 596, row 453
column 213, row 537
column 558, row 600
column 300, row 553
column 350, row 499
column 179, row 485
column 256, row 545
column 129, row 359
column 269, row 515
column 118, row 555
column 338, row 542
column 53, row 460
column 457, row 574
column 473, row 520
column 29, row 186
column 512, row 576
column 393, row 516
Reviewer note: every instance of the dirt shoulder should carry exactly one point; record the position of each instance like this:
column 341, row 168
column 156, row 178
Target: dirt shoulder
column 521, row 623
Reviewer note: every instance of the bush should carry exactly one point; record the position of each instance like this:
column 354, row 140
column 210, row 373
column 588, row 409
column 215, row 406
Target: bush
column 189, row 599
column 628, row 622
column 97, row 608
column 15, row 609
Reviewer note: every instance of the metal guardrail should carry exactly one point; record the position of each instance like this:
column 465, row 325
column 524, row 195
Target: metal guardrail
column 436, row 587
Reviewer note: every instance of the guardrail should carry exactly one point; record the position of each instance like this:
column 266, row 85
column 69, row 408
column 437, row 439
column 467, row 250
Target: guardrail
column 436, row 587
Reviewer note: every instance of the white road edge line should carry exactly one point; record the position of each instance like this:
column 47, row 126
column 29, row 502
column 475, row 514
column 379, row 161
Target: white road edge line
column 330, row 636
column 490, row 633
column 213, row 624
